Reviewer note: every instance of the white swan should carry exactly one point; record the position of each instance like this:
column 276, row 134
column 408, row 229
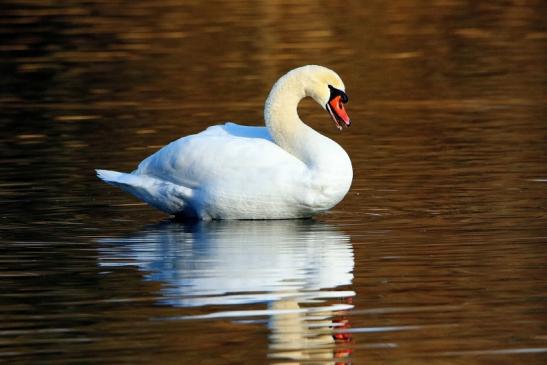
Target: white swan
column 230, row 171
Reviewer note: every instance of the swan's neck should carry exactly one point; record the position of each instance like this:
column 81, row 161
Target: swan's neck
column 290, row 133
column 281, row 116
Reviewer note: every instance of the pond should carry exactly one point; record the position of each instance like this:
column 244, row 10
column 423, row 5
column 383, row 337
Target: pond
column 437, row 254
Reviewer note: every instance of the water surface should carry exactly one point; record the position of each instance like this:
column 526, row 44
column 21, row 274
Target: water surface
column 438, row 253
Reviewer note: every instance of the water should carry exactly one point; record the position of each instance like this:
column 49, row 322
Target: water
column 438, row 253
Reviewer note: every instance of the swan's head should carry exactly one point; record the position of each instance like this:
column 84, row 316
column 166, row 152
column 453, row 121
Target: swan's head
column 327, row 89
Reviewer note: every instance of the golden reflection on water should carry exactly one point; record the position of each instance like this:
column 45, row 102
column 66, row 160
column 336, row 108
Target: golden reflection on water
column 446, row 216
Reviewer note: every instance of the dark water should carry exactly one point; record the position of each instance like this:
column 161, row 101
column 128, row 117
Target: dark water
column 437, row 255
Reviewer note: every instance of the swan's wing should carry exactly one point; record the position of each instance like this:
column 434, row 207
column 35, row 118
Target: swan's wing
column 238, row 130
column 227, row 155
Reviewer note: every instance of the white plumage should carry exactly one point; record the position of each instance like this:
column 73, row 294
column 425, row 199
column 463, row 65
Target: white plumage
column 283, row 170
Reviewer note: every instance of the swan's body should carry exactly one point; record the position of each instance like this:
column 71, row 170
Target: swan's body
column 283, row 170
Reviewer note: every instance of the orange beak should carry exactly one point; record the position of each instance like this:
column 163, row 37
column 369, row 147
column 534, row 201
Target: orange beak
column 338, row 112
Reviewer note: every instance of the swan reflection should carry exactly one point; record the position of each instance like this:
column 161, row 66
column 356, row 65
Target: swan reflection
column 292, row 267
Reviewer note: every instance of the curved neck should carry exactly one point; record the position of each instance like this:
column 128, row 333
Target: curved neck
column 280, row 113
column 290, row 133
column 285, row 126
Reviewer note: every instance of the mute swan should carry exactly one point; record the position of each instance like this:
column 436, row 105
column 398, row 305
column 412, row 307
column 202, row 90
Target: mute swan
column 230, row 171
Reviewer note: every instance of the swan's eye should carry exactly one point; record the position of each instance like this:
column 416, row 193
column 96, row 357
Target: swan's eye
column 334, row 92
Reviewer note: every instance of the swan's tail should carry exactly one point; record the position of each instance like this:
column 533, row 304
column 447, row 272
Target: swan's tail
column 160, row 194
column 111, row 177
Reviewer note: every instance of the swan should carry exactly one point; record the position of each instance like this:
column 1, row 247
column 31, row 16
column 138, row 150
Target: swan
column 281, row 171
